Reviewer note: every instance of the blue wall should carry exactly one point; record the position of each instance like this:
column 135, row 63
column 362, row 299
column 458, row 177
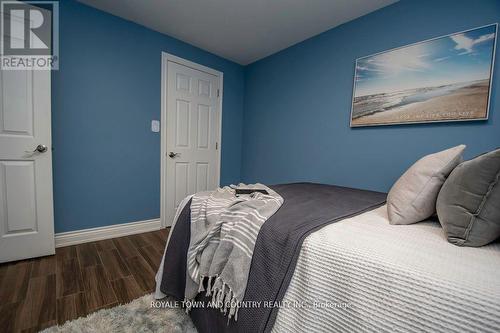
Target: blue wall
column 297, row 102
column 106, row 161
column 292, row 107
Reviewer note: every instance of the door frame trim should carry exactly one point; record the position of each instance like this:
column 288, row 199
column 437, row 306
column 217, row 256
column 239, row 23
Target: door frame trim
column 165, row 58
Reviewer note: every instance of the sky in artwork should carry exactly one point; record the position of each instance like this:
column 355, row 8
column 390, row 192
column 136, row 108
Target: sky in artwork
column 461, row 57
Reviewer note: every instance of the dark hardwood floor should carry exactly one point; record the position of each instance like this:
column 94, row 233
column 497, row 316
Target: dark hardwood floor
column 77, row 280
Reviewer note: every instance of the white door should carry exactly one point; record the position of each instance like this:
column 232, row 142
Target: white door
column 26, row 211
column 192, row 134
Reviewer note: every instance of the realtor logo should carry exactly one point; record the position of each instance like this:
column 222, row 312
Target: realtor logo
column 30, row 36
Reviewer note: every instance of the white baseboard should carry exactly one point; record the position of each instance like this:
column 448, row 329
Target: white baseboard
column 111, row 231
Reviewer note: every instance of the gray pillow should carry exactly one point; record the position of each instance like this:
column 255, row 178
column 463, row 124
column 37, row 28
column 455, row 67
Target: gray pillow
column 413, row 197
column 468, row 205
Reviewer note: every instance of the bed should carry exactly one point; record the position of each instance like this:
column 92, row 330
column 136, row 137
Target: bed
column 394, row 278
column 353, row 272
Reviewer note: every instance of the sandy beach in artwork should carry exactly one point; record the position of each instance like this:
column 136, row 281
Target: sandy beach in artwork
column 468, row 101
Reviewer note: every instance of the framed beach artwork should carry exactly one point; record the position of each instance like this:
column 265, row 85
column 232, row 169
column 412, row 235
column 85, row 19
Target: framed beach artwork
column 446, row 78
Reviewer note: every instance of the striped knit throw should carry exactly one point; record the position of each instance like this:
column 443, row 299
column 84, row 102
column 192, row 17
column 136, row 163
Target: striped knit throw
column 224, row 228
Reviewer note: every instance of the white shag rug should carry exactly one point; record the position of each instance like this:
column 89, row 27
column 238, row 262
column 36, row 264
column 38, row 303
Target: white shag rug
column 136, row 316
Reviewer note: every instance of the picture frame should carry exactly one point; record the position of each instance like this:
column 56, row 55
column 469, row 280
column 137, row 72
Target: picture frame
column 442, row 79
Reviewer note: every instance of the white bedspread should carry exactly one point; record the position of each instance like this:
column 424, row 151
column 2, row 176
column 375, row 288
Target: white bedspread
column 402, row 278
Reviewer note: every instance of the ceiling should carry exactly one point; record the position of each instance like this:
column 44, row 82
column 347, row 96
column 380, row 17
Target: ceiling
column 240, row 30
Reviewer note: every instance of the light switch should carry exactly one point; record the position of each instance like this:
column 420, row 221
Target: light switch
column 155, row 126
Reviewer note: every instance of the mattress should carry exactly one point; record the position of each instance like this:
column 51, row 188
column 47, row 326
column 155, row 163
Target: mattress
column 364, row 275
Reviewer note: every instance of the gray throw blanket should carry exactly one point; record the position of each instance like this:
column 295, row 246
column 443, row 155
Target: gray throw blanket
column 224, row 228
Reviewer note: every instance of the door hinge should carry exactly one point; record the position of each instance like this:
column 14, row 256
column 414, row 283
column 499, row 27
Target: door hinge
column 218, row 93
column 216, row 146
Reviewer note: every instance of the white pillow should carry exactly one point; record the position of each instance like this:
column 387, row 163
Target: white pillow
column 413, row 197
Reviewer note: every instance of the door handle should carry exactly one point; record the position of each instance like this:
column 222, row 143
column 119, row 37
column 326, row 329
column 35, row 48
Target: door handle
column 172, row 154
column 40, row 149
